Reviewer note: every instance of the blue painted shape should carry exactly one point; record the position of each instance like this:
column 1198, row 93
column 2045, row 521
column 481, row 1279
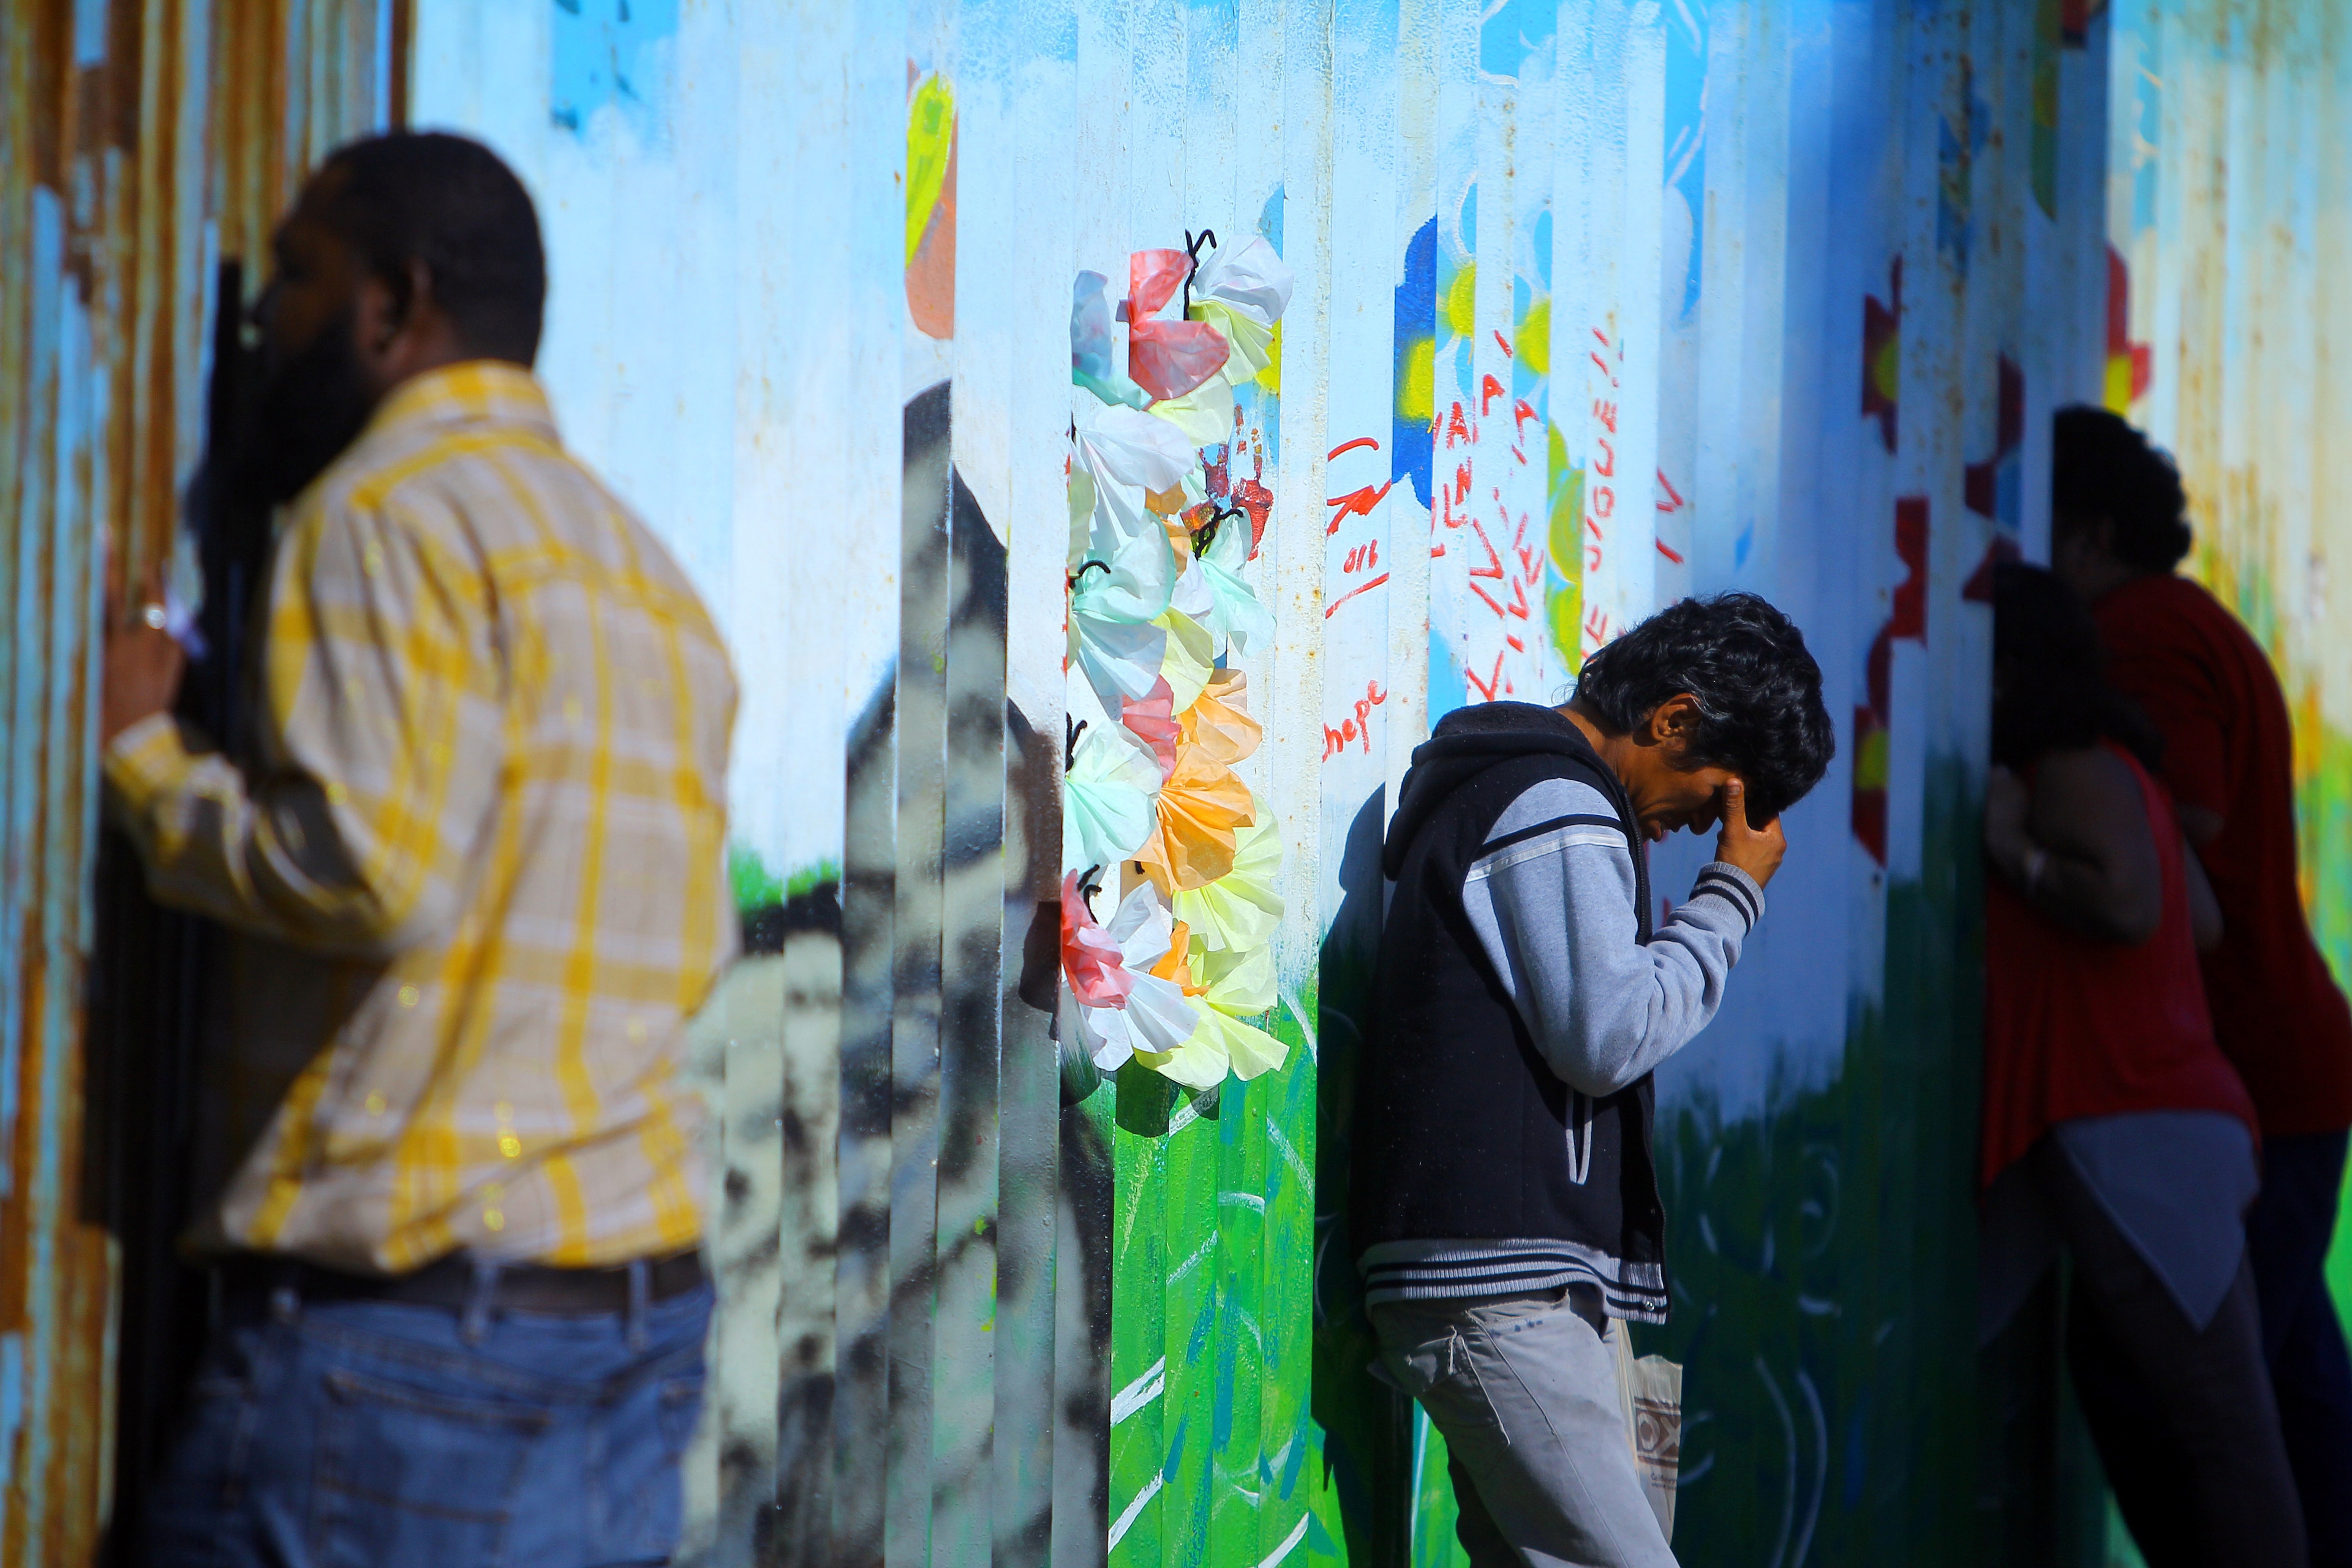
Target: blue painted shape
column 1686, row 159
column 1447, row 690
column 1412, row 437
column 603, row 54
column 1503, row 40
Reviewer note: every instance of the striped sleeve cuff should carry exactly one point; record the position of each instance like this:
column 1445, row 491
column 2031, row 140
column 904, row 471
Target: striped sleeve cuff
column 1734, row 886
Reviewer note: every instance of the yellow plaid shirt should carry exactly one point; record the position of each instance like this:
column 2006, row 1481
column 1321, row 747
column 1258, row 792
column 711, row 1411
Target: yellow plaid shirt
column 476, row 864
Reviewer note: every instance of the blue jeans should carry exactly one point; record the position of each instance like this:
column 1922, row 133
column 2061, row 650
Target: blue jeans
column 379, row 1434
column 2287, row 1233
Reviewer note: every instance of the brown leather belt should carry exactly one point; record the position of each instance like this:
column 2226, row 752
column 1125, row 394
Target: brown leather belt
column 455, row 1283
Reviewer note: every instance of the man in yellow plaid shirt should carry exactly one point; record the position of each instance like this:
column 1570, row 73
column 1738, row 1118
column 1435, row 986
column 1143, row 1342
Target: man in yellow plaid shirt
column 474, row 859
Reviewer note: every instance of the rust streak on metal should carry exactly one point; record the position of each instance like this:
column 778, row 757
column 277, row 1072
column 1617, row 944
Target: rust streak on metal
column 172, row 131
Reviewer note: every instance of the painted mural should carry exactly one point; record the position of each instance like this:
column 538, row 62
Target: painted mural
column 2227, row 228
column 1109, row 432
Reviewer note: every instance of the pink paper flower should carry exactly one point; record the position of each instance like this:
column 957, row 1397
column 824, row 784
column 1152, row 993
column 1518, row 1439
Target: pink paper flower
column 1090, row 955
column 1154, row 722
column 1165, row 358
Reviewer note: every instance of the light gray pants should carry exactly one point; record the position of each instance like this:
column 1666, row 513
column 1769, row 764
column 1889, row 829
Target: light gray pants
column 1524, row 1390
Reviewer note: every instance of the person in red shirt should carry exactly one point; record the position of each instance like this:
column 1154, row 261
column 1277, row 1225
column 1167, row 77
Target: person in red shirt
column 2114, row 1127
column 2118, row 528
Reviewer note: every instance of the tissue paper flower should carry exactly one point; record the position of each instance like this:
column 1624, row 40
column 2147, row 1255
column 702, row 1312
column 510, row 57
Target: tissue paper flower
column 1189, row 656
column 1171, row 981
column 1236, row 986
column 1198, row 808
column 1113, row 607
column 1122, row 446
column 1193, row 596
column 1106, row 800
column 1242, row 291
column 1090, row 955
column 1152, row 721
column 1249, row 279
column 1117, row 659
column 1127, row 576
column 1235, row 614
column 1090, row 345
column 1240, row 909
column 1205, row 416
column 1201, row 1060
column 1167, row 359
column 1218, row 721
column 1156, row 1019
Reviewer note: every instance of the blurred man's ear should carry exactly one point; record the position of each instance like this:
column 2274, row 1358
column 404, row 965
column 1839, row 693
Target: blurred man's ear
column 402, row 329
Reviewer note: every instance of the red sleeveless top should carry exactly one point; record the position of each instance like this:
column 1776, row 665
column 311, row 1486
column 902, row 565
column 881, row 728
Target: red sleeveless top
column 2076, row 1026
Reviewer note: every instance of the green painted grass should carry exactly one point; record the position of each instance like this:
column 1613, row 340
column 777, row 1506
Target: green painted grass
column 755, row 887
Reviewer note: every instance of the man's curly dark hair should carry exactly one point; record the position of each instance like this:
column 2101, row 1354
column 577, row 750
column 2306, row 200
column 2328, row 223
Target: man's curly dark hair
column 2101, row 467
column 1758, row 692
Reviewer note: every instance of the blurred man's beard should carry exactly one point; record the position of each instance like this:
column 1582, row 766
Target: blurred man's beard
column 306, row 411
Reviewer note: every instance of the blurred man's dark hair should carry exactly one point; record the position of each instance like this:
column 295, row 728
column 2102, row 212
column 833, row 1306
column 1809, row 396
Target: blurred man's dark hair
column 400, row 204
column 1758, row 689
column 2101, row 467
column 451, row 204
column 2049, row 689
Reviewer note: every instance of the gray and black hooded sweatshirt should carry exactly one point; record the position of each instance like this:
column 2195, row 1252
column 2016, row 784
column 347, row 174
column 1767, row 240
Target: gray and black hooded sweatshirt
column 1503, row 1117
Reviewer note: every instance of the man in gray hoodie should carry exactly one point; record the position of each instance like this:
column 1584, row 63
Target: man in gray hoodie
column 1504, row 1193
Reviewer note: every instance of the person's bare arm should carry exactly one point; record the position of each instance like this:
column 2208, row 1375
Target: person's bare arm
column 2204, row 909
column 2078, row 844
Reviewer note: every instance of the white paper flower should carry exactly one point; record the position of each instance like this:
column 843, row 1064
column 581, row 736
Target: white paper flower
column 1157, row 1020
column 1105, row 799
column 1113, row 601
column 1249, row 278
column 1126, row 447
column 1242, row 291
column 1235, row 614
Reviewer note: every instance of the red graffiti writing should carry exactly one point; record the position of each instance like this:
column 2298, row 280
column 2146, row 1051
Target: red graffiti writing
column 1494, row 681
column 1358, row 727
column 1355, row 503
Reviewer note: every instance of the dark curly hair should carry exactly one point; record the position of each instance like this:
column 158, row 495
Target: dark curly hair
column 2048, row 692
column 2101, row 467
column 1759, row 691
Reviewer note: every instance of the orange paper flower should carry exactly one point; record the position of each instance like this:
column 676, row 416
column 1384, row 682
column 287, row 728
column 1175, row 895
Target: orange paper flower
column 1192, row 843
column 1217, row 721
column 1176, row 964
